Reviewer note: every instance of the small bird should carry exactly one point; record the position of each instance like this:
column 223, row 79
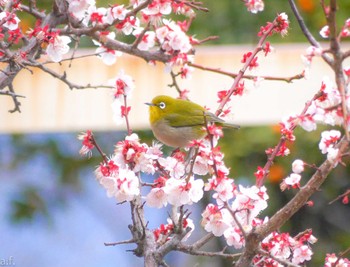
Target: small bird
column 176, row 122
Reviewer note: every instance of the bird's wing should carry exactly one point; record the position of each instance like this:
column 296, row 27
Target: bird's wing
column 185, row 120
column 193, row 118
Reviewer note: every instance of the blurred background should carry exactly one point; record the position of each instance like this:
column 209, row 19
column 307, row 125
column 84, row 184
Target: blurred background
column 54, row 213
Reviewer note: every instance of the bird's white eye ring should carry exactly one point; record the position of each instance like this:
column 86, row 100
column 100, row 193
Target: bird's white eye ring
column 161, row 105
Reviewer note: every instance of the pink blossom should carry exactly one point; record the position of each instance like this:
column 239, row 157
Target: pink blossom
column 224, row 191
column 298, row 166
column 180, row 192
column 124, row 185
column 307, row 122
column 292, row 181
column 96, row 15
column 116, row 12
column 58, row 47
column 128, row 25
column 282, row 24
column 147, row 40
column 324, row 32
column 332, row 155
column 234, row 238
column 118, row 117
column 254, row 6
column 123, row 85
column 10, row 20
column 328, row 140
column 175, row 167
column 249, row 202
column 301, row 254
column 79, row 8
column 87, row 143
column 216, row 220
column 331, row 259
column 200, row 165
column 157, row 198
column 108, row 56
column 186, row 72
column 158, row 7
column 172, row 38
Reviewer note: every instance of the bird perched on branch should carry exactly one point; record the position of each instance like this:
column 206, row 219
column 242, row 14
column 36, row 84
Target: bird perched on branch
column 176, row 122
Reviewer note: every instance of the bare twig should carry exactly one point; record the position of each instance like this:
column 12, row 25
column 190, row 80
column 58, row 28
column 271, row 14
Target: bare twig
column 130, row 241
column 249, row 77
column 63, row 78
column 190, row 250
column 347, row 192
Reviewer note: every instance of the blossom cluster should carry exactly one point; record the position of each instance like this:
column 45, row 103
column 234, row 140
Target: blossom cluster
column 333, row 260
column 169, row 36
column 283, row 247
column 179, row 183
column 240, row 216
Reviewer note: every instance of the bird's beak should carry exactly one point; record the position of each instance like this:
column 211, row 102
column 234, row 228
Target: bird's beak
column 150, row 104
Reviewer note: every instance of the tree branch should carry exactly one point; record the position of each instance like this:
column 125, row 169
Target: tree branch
column 285, row 213
column 306, row 31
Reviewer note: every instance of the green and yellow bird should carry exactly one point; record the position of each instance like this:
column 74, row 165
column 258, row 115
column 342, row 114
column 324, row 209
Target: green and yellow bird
column 176, row 122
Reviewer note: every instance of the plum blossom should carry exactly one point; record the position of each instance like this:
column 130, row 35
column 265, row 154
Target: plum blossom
column 172, row 38
column 10, row 20
column 147, row 40
column 139, row 155
column 224, row 191
column 165, row 231
column 116, row 12
column 158, row 7
column 249, row 202
column 117, row 117
column 328, row 140
column 282, row 24
column 123, row 85
column 283, row 246
column 58, row 46
column 124, row 186
column 234, row 237
column 175, row 167
column 324, row 32
column 254, row 6
column 331, row 259
column 181, row 192
column 86, row 142
column 96, row 15
column 292, row 181
column 128, row 25
column 216, row 220
column 79, row 8
column 108, row 56
column 301, row 254
column 307, row 58
column 157, row 198
column 298, row 166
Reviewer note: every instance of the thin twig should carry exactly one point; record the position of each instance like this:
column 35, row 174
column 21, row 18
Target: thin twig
column 306, row 31
column 249, row 77
column 347, row 192
column 130, row 241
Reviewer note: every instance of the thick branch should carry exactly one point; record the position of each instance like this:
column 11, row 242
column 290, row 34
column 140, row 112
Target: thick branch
column 284, row 214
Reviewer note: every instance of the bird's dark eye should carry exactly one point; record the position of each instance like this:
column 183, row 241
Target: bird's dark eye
column 161, row 105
